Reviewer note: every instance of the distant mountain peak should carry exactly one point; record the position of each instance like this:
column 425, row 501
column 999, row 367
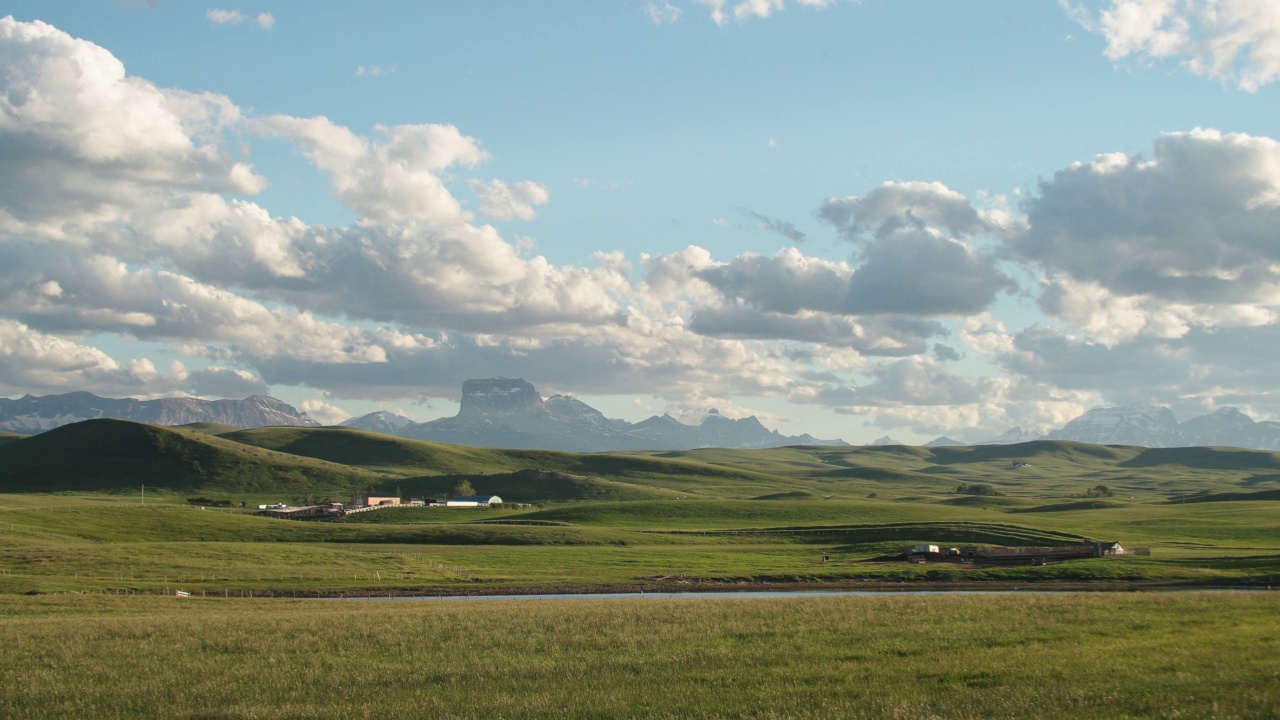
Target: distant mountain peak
column 31, row 414
column 694, row 417
column 499, row 396
column 885, row 440
column 504, row 412
column 381, row 421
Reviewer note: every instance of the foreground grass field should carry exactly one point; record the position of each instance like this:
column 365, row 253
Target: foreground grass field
column 995, row 656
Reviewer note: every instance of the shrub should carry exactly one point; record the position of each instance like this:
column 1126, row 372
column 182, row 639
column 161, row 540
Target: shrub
column 978, row 489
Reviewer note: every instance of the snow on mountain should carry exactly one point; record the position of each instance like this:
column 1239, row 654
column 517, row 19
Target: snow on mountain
column 1012, row 436
column 381, row 421
column 944, row 441
column 1150, row 426
column 1145, row 425
column 31, row 414
column 885, row 440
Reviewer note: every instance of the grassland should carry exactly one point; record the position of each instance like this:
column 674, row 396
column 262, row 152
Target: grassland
column 998, row 656
column 710, row 517
column 92, row 628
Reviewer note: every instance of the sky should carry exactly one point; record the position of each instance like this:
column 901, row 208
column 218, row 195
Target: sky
column 853, row 219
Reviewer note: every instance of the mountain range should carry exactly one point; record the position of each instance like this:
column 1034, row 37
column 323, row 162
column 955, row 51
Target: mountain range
column 29, row 414
column 510, row 413
column 1150, row 426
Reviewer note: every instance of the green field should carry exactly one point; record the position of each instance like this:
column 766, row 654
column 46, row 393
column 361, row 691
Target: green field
column 998, row 656
column 74, row 515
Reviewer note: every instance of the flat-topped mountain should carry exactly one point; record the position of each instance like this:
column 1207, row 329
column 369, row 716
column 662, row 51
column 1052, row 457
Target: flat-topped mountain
column 510, row 413
column 31, row 414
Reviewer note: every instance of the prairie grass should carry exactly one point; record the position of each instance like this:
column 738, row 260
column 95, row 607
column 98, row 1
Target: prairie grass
column 997, row 656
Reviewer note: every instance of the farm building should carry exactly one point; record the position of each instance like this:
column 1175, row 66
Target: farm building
column 1086, row 549
column 1106, row 548
column 473, row 501
column 373, row 500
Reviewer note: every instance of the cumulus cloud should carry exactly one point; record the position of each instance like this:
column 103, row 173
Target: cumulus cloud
column 501, row 201
column 394, row 179
column 221, row 16
column 915, row 381
column 142, row 227
column 213, row 382
column 1235, row 41
column 121, row 172
column 722, row 10
column 85, row 145
column 1149, row 246
column 323, row 412
column 663, row 13
column 33, row 362
column 895, row 206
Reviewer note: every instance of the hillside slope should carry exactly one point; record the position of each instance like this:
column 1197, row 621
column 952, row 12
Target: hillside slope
column 114, row 454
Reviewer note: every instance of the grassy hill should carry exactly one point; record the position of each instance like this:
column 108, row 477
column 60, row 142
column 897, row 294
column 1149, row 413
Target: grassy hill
column 209, row 428
column 1050, row 472
column 375, row 451
column 420, row 459
column 525, row 486
column 114, row 454
column 1039, row 477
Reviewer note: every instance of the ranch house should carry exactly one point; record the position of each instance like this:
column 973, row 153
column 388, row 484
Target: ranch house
column 373, row 500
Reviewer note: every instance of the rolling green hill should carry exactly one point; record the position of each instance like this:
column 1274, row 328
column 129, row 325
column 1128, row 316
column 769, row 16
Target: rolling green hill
column 1031, row 477
column 209, row 428
column 527, row 486
column 375, row 451
column 115, row 454
column 419, row 459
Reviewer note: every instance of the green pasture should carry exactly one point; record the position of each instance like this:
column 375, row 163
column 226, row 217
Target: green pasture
column 998, row 656
column 75, row 543
column 73, row 517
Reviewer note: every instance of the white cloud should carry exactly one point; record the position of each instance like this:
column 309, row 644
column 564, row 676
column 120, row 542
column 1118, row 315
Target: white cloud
column 85, row 144
column 897, row 205
column 323, row 412
column 663, row 13
column 33, row 362
column 375, row 70
column 501, row 201
column 1236, row 41
column 396, row 178
column 1193, row 225
column 132, row 227
column 721, row 10
column 221, row 16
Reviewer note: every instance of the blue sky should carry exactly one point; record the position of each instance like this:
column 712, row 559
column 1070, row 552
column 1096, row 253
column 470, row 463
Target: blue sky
column 849, row 218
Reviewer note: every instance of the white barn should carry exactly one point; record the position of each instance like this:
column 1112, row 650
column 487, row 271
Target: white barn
column 473, row 501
